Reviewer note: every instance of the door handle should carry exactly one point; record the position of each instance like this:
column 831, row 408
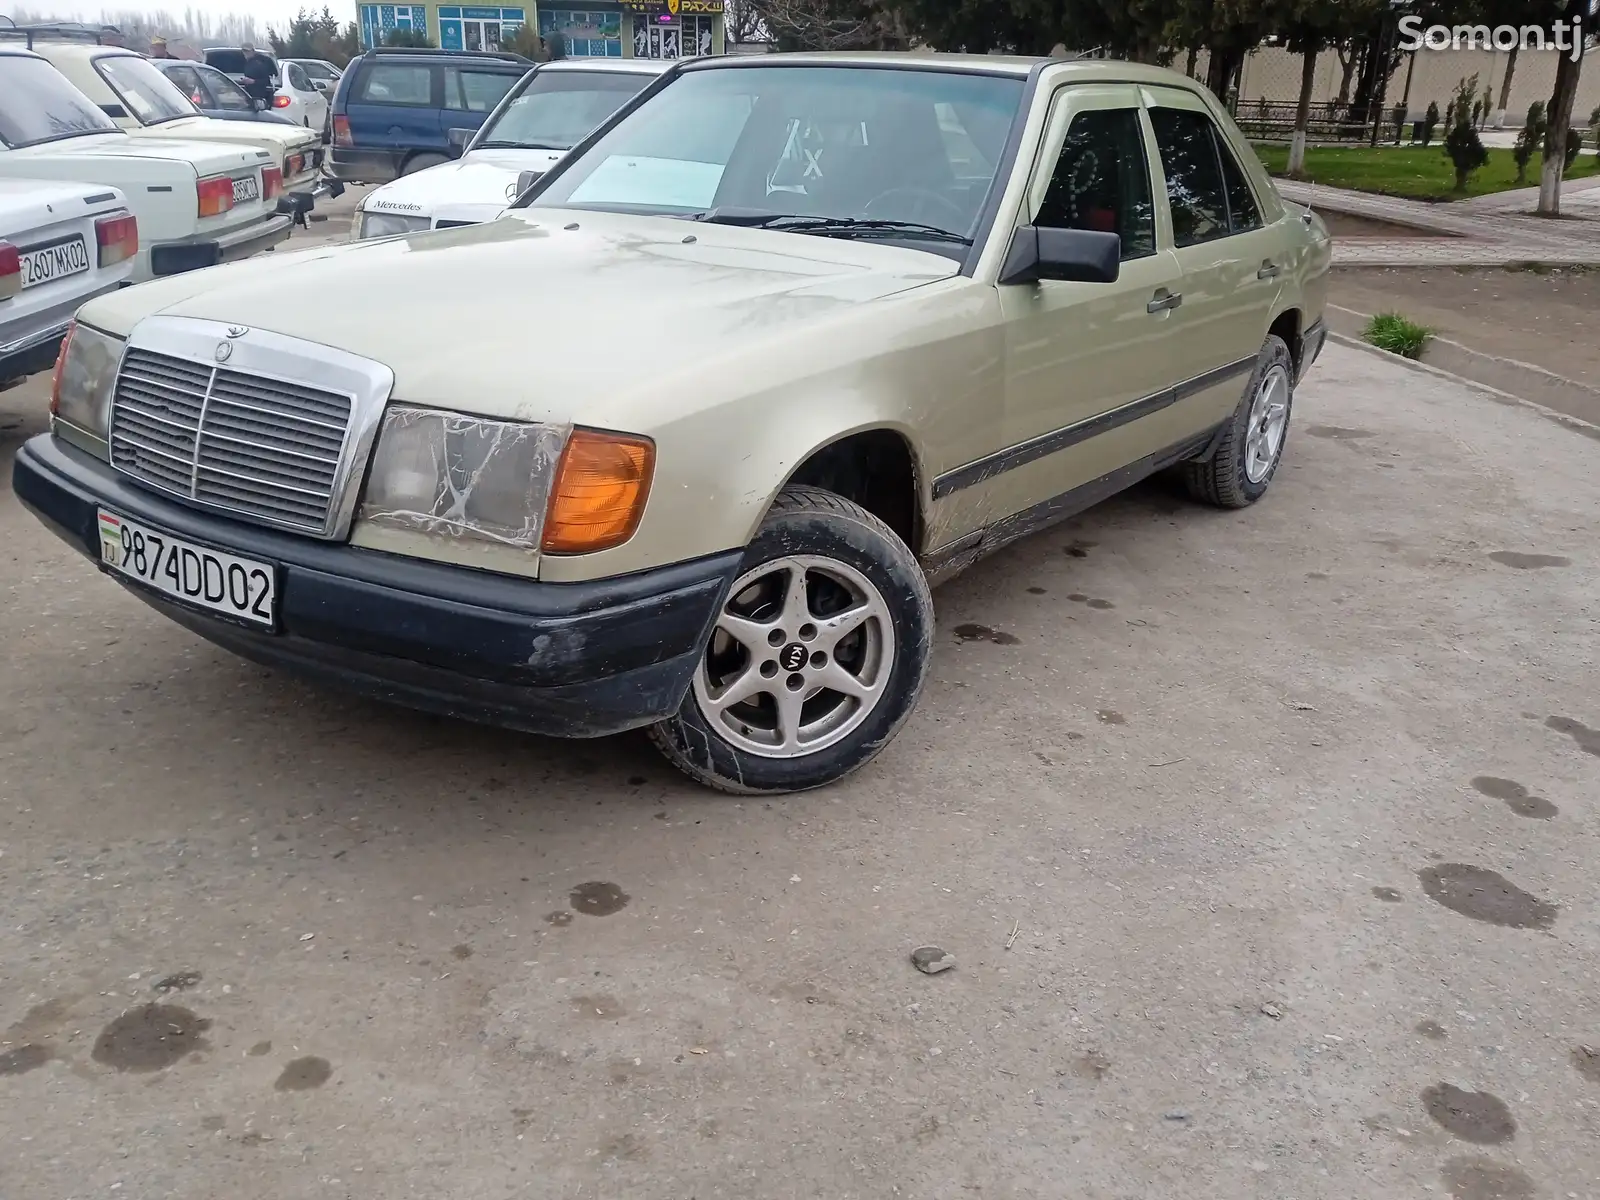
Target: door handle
column 1164, row 301
column 1269, row 270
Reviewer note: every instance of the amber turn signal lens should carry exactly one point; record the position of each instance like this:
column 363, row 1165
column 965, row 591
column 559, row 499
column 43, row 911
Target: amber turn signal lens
column 55, row 378
column 600, row 491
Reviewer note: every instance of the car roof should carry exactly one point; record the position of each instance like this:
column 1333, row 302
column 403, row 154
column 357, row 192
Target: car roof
column 493, row 56
column 611, row 66
column 981, row 64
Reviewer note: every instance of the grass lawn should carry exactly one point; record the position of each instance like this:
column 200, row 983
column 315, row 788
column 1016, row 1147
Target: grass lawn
column 1418, row 172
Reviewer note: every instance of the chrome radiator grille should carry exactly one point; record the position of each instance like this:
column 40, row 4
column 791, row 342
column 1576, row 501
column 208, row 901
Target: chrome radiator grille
column 262, row 448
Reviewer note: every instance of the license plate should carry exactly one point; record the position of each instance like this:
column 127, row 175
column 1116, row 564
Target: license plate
column 246, row 189
column 56, row 261
column 240, row 588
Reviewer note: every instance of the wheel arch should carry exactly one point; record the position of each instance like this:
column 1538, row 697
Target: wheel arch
column 876, row 466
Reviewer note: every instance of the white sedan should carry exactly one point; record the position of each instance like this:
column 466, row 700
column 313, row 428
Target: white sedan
column 60, row 245
column 554, row 107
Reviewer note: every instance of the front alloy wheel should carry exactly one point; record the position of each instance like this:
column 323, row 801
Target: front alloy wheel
column 799, row 658
column 816, row 657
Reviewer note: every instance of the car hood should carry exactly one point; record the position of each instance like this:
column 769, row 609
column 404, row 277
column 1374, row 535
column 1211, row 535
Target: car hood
column 548, row 315
column 483, row 177
column 279, row 139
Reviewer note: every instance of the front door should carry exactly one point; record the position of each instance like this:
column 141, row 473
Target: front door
column 1088, row 365
column 657, row 39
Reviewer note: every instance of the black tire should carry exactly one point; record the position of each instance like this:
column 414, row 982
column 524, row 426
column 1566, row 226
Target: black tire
column 421, row 162
column 1222, row 479
column 815, row 523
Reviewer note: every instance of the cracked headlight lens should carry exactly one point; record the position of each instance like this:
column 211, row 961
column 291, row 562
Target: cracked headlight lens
column 457, row 476
column 380, row 224
column 86, row 373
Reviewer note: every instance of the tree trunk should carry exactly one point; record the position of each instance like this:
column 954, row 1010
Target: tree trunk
column 1302, row 115
column 1194, row 57
column 1505, row 88
column 1222, row 70
column 1555, row 140
column 1348, row 58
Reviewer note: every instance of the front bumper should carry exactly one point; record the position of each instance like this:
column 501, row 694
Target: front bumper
column 173, row 258
column 566, row 659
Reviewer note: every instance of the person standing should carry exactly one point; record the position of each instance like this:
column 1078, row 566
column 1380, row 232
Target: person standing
column 158, row 47
column 258, row 70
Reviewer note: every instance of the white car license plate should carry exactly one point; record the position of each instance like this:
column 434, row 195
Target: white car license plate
column 246, row 188
column 240, row 588
column 56, row 261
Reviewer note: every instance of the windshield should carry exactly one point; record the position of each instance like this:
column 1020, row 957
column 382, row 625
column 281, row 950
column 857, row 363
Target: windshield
column 834, row 149
column 37, row 104
column 555, row 110
column 144, row 91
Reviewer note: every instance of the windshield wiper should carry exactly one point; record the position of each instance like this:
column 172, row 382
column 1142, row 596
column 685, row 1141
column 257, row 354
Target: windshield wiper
column 500, row 145
column 829, row 226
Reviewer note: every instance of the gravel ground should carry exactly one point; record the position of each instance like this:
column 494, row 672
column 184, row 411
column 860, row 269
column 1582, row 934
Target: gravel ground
column 1289, row 836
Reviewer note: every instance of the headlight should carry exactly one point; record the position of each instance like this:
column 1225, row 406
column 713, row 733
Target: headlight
column 381, row 224
column 85, row 375
column 514, row 484
column 460, row 476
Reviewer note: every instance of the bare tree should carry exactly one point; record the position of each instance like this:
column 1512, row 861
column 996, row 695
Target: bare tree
column 830, row 24
column 742, row 22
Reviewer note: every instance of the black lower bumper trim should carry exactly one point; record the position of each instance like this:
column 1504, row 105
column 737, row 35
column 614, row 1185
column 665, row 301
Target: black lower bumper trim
column 573, row 660
column 36, row 358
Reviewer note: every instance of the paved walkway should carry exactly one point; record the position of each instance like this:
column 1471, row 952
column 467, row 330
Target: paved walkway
column 1472, row 232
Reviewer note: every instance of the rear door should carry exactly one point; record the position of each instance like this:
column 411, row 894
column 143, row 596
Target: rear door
column 471, row 93
column 1088, row 365
column 1231, row 277
column 395, row 105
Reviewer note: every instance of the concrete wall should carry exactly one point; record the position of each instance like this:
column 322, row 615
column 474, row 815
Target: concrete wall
column 1274, row 74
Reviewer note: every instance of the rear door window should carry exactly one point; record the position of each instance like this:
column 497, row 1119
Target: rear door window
column 1195, row 189
column 466, row 90
column 403, row 83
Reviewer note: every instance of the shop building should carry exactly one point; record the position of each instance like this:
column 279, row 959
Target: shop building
column 590, row 28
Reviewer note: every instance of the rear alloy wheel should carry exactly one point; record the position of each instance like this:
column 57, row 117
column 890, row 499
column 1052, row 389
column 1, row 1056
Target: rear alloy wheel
column 816, row 657
column 1247, row 457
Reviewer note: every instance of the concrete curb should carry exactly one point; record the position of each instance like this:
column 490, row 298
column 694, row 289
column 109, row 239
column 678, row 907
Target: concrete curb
column 1525, row 380
column 1576, row 424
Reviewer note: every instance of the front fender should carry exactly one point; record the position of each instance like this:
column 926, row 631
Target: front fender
column 923, row 366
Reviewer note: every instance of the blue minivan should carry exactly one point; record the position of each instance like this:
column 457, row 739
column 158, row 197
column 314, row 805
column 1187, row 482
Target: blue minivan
column 395, row 108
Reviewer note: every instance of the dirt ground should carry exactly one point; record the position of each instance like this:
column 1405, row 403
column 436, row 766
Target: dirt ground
column 1292, row 839
column 1545, row 317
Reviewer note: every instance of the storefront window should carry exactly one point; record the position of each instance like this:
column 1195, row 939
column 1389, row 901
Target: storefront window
column 664, row 36
column 378, row 21
column 475, row 28
column 587, row 33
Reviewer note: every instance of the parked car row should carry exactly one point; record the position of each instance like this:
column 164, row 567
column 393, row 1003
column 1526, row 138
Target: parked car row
column 681, row 439
column 167, row 188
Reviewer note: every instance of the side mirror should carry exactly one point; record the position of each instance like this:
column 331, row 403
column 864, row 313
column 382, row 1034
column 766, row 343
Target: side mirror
column 1070, row 255
column 258, row 104
column 527, row 179
column 460, row 137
